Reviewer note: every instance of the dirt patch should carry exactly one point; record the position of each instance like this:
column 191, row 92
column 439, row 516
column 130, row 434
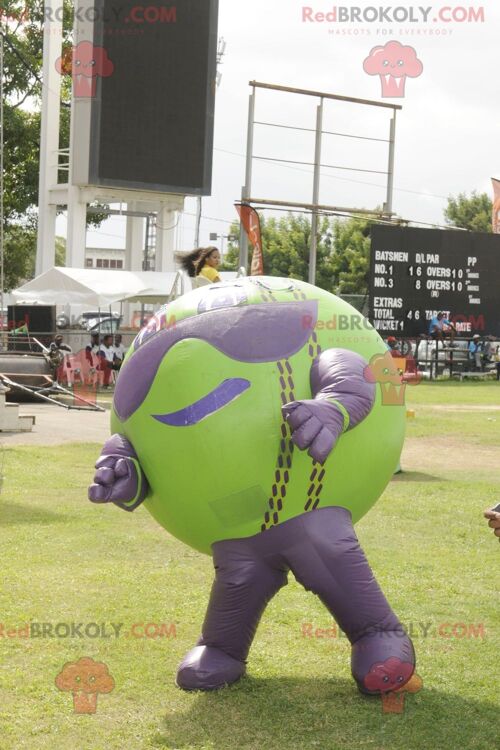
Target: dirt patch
column 55, row 425
column 440, row 455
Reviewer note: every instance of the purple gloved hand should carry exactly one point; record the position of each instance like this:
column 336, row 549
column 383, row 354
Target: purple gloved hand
column 119, row 478
column 316, row 425
column 342, row 399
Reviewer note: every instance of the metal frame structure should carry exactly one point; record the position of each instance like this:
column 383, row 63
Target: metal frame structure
column 314, row 206
column 54, row 389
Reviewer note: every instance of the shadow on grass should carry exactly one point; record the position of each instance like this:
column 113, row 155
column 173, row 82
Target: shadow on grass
column 13, row 514
column 299, row 713
column 417, row 476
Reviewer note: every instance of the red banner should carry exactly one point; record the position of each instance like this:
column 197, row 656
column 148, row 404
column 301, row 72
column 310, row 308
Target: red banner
column 495, row 219
column 251, row 223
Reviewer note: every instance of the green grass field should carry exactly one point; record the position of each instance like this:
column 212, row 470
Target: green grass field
column 453, row 392
column 67, row 561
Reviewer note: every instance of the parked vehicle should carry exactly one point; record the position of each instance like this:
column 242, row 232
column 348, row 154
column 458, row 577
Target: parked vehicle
column 90, row 320
column 105, row 325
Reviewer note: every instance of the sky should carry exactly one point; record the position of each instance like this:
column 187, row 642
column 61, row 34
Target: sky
column 447, row 130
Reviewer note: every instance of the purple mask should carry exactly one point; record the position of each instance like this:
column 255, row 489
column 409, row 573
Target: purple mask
column 251, row 333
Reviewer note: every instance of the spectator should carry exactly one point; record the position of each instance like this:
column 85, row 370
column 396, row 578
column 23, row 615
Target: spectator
column 92, row 349
column 107, row 357
column 107, row 347
column 488, row 355
column 56, row 355
column 119, row 350
column 203, row 261
column 392, row 345
column 438, row 331
column 59, row 342
column 475, row 351
column 497, row 362
column 93, row 359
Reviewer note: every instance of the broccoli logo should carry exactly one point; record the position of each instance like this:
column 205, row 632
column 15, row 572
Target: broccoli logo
column 386, row 677
column 393, row 376
column 85, row 64
column 393, row 63
column 85, row 678
column 394, row 703
column 383, row 370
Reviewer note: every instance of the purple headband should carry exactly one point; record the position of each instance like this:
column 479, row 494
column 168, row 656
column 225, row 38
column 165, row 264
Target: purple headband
column 250, row 333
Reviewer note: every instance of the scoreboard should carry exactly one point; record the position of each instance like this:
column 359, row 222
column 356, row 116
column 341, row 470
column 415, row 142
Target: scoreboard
column 145, row 119
column 416, row 273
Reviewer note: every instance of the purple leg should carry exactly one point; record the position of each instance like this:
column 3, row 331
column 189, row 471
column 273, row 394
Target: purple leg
column 330, row 562
column 323, row 552
column 245, row 581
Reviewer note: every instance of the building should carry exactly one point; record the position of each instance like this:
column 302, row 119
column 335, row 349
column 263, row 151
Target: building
column 105, row 257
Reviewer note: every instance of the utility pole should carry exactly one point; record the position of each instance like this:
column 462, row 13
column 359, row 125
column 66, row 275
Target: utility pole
column 247, row 187
column 229, row 237
column 317, row 172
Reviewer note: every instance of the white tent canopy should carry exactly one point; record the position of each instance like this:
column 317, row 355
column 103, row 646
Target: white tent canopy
column 101, row 288
column 96, row 288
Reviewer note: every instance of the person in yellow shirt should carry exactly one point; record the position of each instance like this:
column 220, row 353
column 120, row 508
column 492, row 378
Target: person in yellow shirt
column 203, row 261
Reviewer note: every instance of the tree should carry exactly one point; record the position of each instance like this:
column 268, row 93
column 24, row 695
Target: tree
column 350, row 260
column 473, row 213
column 286, row 243
column 20, row 251
column 21, row 163
column 19, row 254
column 343, row 251
column 23, row 52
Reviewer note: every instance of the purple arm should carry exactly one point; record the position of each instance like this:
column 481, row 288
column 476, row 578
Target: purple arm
column 119, row 478
column 342, row 399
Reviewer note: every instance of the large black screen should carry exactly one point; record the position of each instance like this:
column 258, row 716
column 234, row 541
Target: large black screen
column 415, row 273
column 152, row 117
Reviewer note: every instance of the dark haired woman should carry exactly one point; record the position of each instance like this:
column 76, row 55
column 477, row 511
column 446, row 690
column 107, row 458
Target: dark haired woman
column 201, row 262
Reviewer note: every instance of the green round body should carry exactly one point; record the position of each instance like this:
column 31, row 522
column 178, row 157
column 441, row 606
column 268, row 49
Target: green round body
column 234, row 472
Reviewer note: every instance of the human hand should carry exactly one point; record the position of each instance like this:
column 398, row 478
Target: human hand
column 494, row 521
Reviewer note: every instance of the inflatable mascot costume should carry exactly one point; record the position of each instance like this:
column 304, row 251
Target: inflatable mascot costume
column 247, row 419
